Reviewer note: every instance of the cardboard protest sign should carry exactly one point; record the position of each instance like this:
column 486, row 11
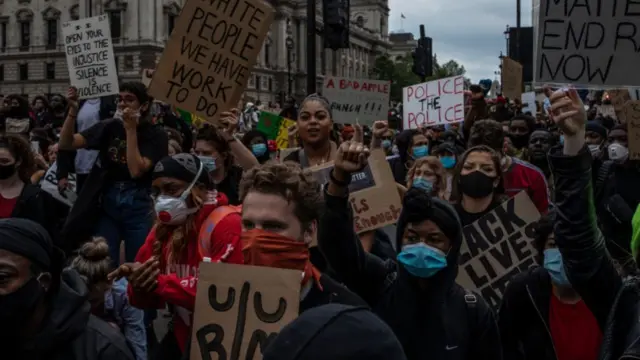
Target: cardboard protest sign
column 632, row 115
column 208, row 60
column 372, row 193
column 433, row 103
column 90, row 58
column 282, row 140
column 240, row 309
column 498, row 246
column 361, row 99
column 529, row 102
column 50, row 184
column 587, row 43
column 511, row 78
column 606, row 110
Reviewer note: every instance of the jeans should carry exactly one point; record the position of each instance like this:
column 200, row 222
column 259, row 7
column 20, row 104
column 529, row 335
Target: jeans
column 127, row 216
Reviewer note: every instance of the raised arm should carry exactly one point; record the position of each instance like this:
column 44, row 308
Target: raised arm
column 361, row 272
column 69, row 140
column 589, row 267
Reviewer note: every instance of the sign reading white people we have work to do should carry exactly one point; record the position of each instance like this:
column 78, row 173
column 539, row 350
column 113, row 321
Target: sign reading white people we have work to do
column 357, row 100
column 589, row 42
column 433, row 103
column 90, row 58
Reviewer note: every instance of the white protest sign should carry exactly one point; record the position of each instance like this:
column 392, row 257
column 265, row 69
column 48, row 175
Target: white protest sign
column 529, row 102
column 50, row 185
column 498, row 246
column 361, row 99
column 90, row 58
column 591, row 42
column 433, row 103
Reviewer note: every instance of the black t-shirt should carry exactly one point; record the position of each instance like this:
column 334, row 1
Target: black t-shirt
column 467, row 218
column 109, row 137
column 230, row 185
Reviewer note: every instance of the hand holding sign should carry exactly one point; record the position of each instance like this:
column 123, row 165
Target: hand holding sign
column 72, row 98
column 568, row 111
column 229, row 121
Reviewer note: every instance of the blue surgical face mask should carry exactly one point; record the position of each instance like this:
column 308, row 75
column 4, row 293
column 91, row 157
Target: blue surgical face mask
column 448, row 162
column 208, row 162
column 386, row 144
column 422, row 183
column 259, row 149
column 554, row 266
column 420, row 151
column 422, row 260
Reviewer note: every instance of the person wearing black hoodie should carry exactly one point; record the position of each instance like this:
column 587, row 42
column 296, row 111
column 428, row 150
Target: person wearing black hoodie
column 432, row 316
column 336, row 332
column 44, row 312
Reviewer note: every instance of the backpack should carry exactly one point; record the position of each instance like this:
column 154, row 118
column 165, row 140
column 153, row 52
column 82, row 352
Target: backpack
column 204, row 235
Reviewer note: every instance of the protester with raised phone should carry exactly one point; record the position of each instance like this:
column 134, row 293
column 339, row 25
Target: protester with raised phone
column 129, row 146
column 589, row 267
column 417, row 295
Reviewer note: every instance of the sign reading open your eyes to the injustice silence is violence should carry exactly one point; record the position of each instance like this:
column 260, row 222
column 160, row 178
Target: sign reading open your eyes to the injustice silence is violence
column 588, row 42
column 90, row 59
column 206, row 65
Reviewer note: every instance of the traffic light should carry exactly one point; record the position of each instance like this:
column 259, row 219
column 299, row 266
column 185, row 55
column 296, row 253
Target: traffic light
column 423, row 58
column 335, row 15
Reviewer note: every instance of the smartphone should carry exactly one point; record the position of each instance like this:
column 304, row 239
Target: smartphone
column 35, row 147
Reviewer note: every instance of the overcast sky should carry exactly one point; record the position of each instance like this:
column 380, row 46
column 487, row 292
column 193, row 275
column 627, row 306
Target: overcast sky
column 468, row 31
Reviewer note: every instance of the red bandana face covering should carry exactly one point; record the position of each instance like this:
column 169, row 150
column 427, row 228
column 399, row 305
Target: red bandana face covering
column 264, row 248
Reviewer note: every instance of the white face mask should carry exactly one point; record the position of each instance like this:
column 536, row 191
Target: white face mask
column 618, row 152
column 595, row 150
column 174, row 211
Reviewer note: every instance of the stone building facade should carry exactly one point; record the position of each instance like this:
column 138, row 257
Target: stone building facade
column 401, row 45
column 32, row 57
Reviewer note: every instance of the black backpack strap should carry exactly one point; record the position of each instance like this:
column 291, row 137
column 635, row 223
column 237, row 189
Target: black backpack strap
column 603, row 174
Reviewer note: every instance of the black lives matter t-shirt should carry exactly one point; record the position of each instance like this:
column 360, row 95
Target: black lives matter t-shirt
column 110, row 138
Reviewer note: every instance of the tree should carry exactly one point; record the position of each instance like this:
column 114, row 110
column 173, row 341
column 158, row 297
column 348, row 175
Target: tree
column 400, row 74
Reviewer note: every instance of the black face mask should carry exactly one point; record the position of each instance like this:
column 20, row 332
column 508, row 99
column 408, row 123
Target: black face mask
column 16, row 308
column 476, row 185
column 57, row 106
column 15, row 111
column 520, row 141
column 7, row 171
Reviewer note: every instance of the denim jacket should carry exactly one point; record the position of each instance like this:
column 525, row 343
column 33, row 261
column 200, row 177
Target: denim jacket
column 129, row 319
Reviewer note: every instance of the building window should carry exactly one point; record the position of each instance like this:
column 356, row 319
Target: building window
column 115, row 19
column 25, row 35
column 171, row 22
column 267, row 52
column 270, row 84
column 24, row 72
column 50, row 70
column 52, row 33
column 3, row 41
column 74, row 12
column 258, row 80
column 1, row 72
column 360, row 21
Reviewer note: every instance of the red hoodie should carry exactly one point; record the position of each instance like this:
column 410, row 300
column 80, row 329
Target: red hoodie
column 177, row 283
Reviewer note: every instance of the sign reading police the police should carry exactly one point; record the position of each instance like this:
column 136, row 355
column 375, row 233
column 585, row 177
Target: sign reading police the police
column 90, row 58
column 240, row 309
column 208, row 60
column 498, row 246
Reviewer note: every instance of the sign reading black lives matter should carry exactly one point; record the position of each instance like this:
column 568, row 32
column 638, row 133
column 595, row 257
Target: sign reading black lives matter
column 208, row 60
column 588, row 42
column 240, row 309
column 90, row 59
column 498, row 246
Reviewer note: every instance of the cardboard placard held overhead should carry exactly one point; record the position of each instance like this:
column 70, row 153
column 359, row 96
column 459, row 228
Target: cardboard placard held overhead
column 587, row 43
column 90, row 58
column 498, row 246
column 606, row 110
column 433, row 103
column 240, row 309
column 372, row 193
column 511, row 78
column 208, row 60
column 632, row 115
column 357, row 100
column 529, row 103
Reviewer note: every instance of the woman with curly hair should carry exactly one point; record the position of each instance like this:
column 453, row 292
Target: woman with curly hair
column 428, row 174
column 166, row 267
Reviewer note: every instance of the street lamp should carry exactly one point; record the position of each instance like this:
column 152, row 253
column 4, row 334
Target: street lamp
column 290, row 55
column 506, row 38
